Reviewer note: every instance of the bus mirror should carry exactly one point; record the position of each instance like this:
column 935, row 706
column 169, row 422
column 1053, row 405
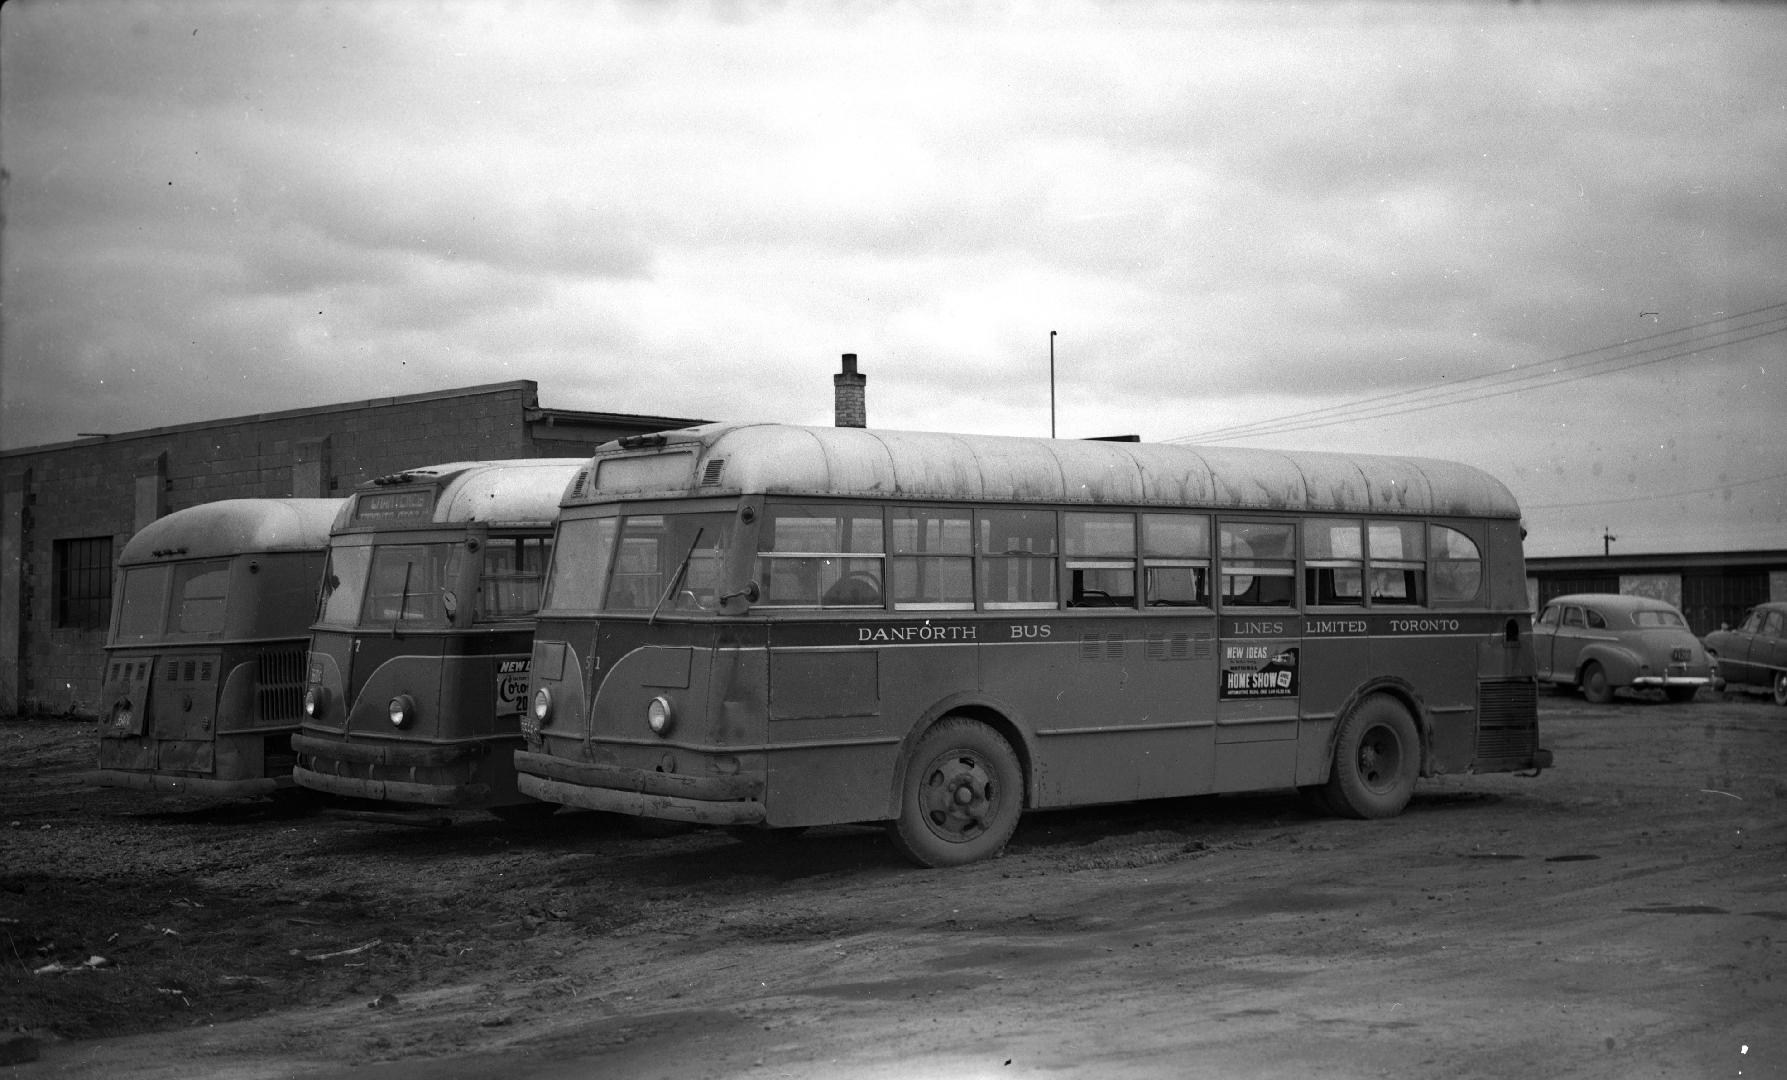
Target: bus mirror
column 738, row 601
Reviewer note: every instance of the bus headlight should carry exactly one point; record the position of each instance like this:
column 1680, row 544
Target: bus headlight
column 316, row 702
column 403, row 710
column 660, row 715
column 542, row 705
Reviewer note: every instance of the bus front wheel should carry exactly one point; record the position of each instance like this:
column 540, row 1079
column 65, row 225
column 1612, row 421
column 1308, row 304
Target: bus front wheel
column 961, row 796
column 1377, row 757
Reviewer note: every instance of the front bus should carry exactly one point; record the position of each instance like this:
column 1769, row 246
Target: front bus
column 765, row 626
column 205, row 658
column 418, row 657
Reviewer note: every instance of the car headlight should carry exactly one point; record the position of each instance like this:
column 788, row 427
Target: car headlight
column 660, row 715
column 403, row 710
column 316, row 702
column 542, row 705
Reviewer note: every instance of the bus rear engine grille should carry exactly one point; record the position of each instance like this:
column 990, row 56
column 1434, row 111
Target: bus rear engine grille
column 279, row 685
column 1507, row 718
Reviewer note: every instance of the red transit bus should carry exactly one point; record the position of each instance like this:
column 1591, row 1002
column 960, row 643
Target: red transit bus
column 205, row 658
column 418, row 657
column 774, row 626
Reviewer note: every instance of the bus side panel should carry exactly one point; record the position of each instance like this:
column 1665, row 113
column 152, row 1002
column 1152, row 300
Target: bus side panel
column 1331, row 670
column 1443, row 676
column 1114, row 705
column 477, row 701
column 916, row 680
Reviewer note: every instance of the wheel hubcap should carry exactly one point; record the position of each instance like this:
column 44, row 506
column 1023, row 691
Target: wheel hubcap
column 1380, row 759
column 958, row 796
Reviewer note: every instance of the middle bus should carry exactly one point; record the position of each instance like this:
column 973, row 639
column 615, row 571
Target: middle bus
column 418, row 658
column 760, row 625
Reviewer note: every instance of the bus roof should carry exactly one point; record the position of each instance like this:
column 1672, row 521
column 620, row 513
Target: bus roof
column 234, row 527
column 515, row 492
column 877, row 464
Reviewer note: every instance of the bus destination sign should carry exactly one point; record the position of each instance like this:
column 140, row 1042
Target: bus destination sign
column 393, row 507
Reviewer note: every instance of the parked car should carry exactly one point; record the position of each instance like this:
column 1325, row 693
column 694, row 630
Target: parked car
column 1753, row 657
column 1602, row 642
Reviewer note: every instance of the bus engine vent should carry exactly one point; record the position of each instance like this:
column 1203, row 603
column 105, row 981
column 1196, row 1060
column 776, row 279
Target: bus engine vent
column 1101, row 647
column 1169, row 646
column 710, row 476
column 1507, row 719
column 279, row 685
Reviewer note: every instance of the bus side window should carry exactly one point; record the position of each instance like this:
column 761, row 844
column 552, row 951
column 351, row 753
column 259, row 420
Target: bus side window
column 1398, row 563
column 1259, row 564
column 1101, row 562
column 820, row 556
column 513, row 570
column 1334, row 555
column 1017, row 558
column 931, row 558
column 1175, row 560
column 1457, row 564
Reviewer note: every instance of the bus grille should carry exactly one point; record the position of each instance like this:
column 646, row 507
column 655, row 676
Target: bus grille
column 1507, row 719
column 279, row 685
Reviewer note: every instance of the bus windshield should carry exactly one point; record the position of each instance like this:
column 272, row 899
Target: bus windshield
column 641, row 563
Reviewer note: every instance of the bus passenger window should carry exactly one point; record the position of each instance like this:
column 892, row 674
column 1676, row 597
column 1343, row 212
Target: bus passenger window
column 1017, row 553
column 513, row 570
column 1259, row 564
column 1457, row 564
column 1398, row 563
column 1175, row 560
column 1333, row 570
column 1101, row 562
column 821, row 555
column 931, row 558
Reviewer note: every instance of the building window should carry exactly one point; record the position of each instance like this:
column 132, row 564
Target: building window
column 83, row 583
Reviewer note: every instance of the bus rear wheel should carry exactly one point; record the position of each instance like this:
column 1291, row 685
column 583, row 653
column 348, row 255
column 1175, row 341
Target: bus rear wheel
column 961, row 796
column 1377, row 757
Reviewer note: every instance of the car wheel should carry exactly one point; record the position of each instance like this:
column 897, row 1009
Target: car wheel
column 1377, row 757
column 961, row 797
column 1781, row 688
column 1594, row 684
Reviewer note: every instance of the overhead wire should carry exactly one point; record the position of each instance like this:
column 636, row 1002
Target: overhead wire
column 1699, row 339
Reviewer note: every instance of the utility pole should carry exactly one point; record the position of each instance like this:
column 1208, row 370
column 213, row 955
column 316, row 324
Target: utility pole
column 1051, row 384
column 1607, row 540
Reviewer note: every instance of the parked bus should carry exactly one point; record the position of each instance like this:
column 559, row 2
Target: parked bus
column 418, row 657
column 773, row 626
column 204, row 678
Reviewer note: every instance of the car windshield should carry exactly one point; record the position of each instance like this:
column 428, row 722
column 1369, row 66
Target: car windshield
column 1652, row 617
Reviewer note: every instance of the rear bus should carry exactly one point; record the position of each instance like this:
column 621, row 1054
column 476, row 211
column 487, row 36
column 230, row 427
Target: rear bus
column 418, row 658
column 204, row 677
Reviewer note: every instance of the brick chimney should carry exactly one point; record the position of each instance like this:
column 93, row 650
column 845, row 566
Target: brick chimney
column 849, row 408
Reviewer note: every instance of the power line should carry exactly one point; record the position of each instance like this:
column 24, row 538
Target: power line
column 1404, row 401
column 1653, row 498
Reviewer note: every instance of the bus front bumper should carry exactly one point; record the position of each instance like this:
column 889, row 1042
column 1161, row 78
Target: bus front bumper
column 703, row 800
column 392, row 772
column 164, row 784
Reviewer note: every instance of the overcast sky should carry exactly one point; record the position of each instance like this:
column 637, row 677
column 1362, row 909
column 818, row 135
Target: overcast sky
column 1549, row 240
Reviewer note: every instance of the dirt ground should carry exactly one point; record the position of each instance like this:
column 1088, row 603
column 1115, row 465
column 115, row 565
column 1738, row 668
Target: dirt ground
column 1623, row 915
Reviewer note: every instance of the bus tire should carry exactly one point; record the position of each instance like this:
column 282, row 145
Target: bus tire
column 1377, row 757
column 1594, row 684
column 961, row 796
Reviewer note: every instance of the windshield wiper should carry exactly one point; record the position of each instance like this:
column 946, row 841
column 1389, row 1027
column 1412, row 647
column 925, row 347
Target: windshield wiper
column 677, row 578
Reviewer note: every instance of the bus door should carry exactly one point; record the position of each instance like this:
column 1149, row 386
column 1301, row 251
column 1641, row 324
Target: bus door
column 1259, row 656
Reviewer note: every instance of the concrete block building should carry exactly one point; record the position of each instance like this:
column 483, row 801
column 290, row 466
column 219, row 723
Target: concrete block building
column 66, row 509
